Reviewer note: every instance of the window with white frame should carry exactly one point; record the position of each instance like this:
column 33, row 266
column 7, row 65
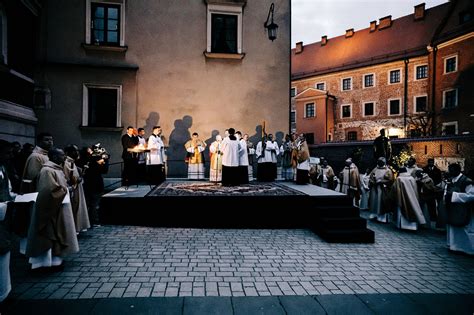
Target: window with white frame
column 421, row 103
column 346, row 111
column 421, row 72
column 105, row 22
column 369, row 80
column 450, row 64
column 450, row 128
column 293, row 92
column 321, row 86
column 394, row 107
column 369, row 109
column 293, row 117
column 346, row 84
column 309, row 110
column 101, row 105
column 450, row 98
column 224, row 29
column 394, row 76
column 3, row 36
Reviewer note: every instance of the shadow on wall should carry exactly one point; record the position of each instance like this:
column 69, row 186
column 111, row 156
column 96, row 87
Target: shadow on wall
column 152, row 120
column 176, row 152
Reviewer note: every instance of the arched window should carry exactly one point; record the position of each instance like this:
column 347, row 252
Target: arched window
column 3, row 36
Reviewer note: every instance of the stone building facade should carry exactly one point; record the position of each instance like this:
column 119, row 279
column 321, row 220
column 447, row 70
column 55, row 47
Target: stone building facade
column 19, row 21
column 384, row 77
column 188, row 66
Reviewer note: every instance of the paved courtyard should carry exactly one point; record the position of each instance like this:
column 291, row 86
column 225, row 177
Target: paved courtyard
column 125, row 261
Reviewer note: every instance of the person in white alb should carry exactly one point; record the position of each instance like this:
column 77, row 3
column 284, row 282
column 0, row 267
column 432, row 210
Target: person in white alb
column 156, row 157
column 459, row 196
column 230, row 159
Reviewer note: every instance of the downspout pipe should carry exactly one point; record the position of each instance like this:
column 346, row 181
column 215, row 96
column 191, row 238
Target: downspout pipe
column 405, row 98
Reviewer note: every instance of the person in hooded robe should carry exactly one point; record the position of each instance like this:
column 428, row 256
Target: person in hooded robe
column 381, row 179
column 325, row 177
column 195, row 158
column 78, row 199
column 408, row 214
column 51, row 235
column 302, row 168
column 215, row 174
column 459, row 199
column 29, row 183
column 350, row 181
column 6, row 202
column 243, row 159
column 411, row 167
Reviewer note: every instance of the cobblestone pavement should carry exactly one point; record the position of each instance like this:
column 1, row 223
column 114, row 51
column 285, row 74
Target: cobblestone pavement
column 125, row 261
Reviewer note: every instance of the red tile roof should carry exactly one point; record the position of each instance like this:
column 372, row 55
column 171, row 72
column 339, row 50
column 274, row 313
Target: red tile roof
column 404, row 38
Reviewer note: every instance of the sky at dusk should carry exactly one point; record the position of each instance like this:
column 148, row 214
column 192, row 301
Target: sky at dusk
column 312, row 19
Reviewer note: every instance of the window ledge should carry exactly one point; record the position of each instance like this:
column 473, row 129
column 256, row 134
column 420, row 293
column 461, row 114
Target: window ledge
column 90, row 47
column 106, row 129
column 211, row 55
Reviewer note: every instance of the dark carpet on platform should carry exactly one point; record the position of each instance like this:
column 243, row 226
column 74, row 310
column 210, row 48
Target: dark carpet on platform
column 187, row 188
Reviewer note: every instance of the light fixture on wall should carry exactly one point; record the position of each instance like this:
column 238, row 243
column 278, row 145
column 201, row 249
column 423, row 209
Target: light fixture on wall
column 272, row 27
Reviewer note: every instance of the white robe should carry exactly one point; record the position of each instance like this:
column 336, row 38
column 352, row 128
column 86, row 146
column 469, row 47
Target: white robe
column 271, row 151
column 230, row 152
column 141, row 145
column 462, row 238
column 243, row 156
column 157, row 148
column 259, row 153
column 215, row 174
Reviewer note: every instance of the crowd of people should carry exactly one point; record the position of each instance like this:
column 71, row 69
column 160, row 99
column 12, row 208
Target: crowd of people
column 48, row 196
column 410, row 197
column 232, row 158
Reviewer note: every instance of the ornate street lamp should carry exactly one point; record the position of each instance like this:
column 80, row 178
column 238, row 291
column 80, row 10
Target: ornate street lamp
column 272, row 27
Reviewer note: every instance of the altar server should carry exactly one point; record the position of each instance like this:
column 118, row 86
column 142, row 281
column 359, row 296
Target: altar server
column 156, row 157
column 230, row 159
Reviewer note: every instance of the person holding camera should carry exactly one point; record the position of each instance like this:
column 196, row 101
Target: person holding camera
column 97, row 164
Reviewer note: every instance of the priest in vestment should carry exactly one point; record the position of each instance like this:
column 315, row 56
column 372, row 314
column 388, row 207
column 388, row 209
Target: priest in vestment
column 459, row 199
column 78, row 198
column 325, row 177
column 350, row 181
column 380, row 182
column 156, row 157
column 364, row 189
column 215, row 174
column 195, row 157
column 243, row 159
column 230, row 159
column 302, row 158
column 33, row 166
column 412, row 167
column 286, row 150
column 408, row 211
column 52, row 233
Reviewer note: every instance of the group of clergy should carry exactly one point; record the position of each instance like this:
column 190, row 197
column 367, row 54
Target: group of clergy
column 144, row 159
column 231, row 158
column 411, row 197
column 49, row 209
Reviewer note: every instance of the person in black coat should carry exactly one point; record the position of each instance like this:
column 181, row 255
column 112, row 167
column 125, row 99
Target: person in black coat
column 130, row 159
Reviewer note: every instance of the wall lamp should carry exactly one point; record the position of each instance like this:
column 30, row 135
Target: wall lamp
column 272, row 27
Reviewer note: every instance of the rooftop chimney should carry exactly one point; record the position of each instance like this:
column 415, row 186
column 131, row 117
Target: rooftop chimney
column 373, row 26
column 299, row 48
column 349, row 32
column 419, row 11
column 324, row 40
column 385, row 22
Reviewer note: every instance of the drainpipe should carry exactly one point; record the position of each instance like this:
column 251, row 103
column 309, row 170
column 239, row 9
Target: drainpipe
column 433, row 93
column 405, row 98
column 326, row 124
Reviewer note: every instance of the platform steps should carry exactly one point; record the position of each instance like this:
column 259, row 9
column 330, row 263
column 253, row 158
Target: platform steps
column 340, row 222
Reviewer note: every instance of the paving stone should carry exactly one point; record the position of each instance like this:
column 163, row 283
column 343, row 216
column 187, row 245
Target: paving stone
column 301, row 305
column 343, row 304
column 257, row 305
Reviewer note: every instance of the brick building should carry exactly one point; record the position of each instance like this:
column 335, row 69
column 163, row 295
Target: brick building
column 390, row 75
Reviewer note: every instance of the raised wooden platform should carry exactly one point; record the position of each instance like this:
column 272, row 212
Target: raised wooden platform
column 196, row 204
